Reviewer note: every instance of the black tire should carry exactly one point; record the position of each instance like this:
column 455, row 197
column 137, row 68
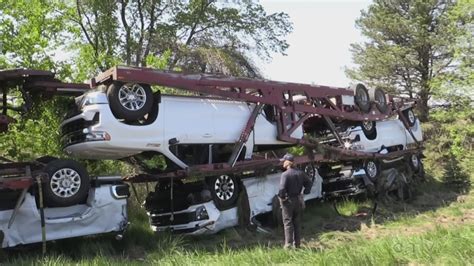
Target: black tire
column 362, row 98
column 378, row 96
column 409, row 116
column 310, row 170
column 369, row 129
column 225, row 191
column 324, row 170
column 134, row 109
column 415, row 162
column 421, row 172
column 277, row 218
column 68, row 183
column 372, row 169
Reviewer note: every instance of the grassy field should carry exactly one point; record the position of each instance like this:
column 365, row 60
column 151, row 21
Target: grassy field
column 436, row 227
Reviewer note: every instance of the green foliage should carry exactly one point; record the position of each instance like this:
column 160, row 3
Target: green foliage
column 158, row 62
column 347, row 207
column 97, row 36
column 201, row 35
column 34, row 135
column 459, row 82
column 449, row 147
column 31, row 31
column 412, row 45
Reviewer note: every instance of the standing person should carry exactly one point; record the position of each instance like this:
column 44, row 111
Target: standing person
column 291, row 185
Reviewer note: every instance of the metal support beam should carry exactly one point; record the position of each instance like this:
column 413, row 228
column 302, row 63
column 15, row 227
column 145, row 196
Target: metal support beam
column 244, row 136
column 330, row 125
column 41, row 209
column 19, row 201
column 407, row 126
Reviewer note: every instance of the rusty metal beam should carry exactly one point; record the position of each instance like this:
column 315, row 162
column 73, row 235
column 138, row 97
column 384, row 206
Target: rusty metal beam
column 244, row 136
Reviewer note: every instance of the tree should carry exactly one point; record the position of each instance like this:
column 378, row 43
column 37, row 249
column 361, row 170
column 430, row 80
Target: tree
column 456, row 85
column 202, row 35
column 30, row 34
column 31, row 31
column 409, row 46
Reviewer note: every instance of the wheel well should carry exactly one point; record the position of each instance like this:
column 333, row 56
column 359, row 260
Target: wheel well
column 46, row 159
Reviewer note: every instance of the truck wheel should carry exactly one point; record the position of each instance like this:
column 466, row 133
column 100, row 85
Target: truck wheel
column 380, row 99
column 68, row 183
column 414, row 162
column 310, row 170
column 130, row 101
column 277, row 218
column 361, row 97
column 372, row 169
column 369, row 129
column 224, row 190
column 409, row 116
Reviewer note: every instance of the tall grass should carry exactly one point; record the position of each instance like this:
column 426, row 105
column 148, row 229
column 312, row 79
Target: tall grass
column 441, row 246
column 454, row 246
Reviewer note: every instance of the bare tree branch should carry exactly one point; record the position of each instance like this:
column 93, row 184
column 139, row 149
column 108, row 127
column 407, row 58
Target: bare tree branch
column 127, row 31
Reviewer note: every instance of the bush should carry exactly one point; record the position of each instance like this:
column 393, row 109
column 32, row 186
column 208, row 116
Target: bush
column 449, row 144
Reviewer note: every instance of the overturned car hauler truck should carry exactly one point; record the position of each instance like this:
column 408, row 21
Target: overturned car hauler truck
column 227, row 133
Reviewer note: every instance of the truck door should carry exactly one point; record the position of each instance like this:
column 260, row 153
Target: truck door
column 189, row 120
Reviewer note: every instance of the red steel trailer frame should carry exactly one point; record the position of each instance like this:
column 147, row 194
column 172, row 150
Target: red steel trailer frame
column 319, row 103
column 31, row 83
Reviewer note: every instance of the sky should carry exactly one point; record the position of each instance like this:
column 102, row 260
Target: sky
column 320, row 41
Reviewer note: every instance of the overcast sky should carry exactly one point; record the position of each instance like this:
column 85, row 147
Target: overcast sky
column 319, row 44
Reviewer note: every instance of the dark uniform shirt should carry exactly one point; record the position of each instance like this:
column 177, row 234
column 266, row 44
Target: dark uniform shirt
column 292, row 182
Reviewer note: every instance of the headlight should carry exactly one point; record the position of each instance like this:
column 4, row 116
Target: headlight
column 348, row 145
column 96, row 135
column 357, row 147
column 201, row 213
column 89, row 101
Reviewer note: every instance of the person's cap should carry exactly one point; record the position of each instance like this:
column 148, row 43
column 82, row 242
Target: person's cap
column 288, row 157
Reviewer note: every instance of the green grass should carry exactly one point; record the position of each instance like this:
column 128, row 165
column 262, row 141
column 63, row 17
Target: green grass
column 440, row 246
column 349, row 207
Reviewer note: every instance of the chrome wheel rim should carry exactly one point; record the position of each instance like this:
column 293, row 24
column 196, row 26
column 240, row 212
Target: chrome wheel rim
column 132, row 96
column 414, row 161
column 309, row 170
column 371, row 169
column 367, row 125
column 65, row 182
column 411, row 116
column 224, row 187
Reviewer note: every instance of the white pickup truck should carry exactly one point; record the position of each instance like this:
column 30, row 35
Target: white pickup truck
column 195, row 213
column 105, row 211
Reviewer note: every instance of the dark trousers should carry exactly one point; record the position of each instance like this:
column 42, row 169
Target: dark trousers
column 291, row 212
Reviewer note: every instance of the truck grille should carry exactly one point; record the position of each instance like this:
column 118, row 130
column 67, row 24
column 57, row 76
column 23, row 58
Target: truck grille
column 344, row 184
column 72, row 132
column 179, row 218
